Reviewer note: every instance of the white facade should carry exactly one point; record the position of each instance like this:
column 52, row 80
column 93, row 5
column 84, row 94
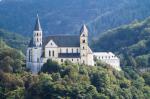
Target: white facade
column 108, row 58
column 62, row 48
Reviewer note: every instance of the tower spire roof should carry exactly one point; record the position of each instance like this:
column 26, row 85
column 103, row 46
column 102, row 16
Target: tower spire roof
column 84, row 29
column 37, row 24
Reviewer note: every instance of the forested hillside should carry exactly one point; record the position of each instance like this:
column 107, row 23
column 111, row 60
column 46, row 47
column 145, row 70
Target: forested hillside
column 11, row 60
column 14, row 40
column 68, row 80
column 130, row 42
column 67, row 16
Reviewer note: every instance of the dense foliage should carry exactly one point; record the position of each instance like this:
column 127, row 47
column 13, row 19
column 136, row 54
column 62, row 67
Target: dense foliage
column 67, row 16
column 11, row 60
column 69, row 81
column 130, row 42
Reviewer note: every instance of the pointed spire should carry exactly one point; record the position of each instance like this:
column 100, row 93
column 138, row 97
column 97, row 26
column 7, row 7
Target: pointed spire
column 84, row 29
column 37, row 24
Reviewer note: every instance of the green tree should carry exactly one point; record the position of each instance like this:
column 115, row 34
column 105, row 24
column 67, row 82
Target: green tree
column 50, row 66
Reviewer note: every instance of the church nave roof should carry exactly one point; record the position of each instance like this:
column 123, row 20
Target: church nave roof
column 63, row 40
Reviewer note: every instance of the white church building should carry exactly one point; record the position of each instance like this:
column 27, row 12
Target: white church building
column 64, row 47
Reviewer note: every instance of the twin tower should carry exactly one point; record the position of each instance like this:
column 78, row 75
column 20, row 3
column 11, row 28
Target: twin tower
column 58, row 48
column 37, row 34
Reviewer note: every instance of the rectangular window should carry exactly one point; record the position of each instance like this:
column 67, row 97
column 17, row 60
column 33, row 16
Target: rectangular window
column 61, row 60
column 72, row 50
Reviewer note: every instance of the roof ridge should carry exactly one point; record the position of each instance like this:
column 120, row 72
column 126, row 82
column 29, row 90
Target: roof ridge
column 61, row 35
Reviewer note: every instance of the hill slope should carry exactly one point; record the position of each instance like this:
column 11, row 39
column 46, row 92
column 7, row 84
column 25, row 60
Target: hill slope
column 131, row 42
column 11, row 60
column 67, row 16
column 14, row 40
column 75, row 82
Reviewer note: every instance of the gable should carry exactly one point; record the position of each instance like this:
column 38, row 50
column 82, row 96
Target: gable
column 51, row 43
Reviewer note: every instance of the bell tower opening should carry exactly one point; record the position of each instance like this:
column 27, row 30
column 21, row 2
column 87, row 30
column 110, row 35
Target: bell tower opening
column 37, row 33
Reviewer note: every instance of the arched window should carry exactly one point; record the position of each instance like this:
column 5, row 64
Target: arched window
column 83, row 62
column 77, row 51
column 38, row 60
column 83, row 47
column 37, row 34
column 37, row 40
column 49, row 53
column 29, row 55
column 53, row 53
column 67, row 50
column 60, row 50
column 72, row 50
column 83, row 41
column 72, row 59
column 61, row 60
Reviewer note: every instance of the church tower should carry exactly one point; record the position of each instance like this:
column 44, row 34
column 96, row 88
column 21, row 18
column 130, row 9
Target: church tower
column 37, row 33
column 34, row 50
column 84, row 44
